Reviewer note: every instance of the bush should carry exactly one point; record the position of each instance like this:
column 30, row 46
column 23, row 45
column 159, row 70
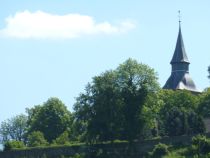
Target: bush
column 63, row 139
column 9, row 145
column 159, row 151
column 201, row 144
column 36, row 138
column 174, row 155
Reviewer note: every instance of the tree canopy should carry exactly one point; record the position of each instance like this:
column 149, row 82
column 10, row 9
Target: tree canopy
column 204, row 104
column 178, row 115
column 112, row 103
column 52, row 119
column 14, row 129
column 125, row 104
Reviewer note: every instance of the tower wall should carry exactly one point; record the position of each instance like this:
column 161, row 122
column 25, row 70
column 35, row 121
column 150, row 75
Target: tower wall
column 176, row 67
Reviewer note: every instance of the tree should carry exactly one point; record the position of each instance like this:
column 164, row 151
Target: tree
column 36, row 138
column 179, row 98
column 179, row 115
column 204, row 105
column 52, row 119
column 180, row 122
column 136, row 81
column 14, row 128
column 150, row 113
column 98, row 112
column 209, row 72
column 111, row 107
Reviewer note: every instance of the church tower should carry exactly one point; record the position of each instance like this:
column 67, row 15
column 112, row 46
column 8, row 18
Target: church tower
column 180, row 77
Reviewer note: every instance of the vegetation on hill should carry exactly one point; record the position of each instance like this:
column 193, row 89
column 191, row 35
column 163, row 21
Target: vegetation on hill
column 122, row 104
column 112, row 105
column 199, row 148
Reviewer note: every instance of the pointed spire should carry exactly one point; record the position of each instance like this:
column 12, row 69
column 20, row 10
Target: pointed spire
column 180, row 53
column 180, row 77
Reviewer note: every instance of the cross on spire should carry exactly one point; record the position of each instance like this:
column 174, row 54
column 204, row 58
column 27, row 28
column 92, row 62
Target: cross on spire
column 179, row 12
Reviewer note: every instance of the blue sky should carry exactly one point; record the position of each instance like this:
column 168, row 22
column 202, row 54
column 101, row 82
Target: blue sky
column 87, row 38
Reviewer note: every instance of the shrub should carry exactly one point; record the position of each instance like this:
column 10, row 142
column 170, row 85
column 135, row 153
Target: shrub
column 159, row 151
column 9, row 145
column 63, row 139
column 174, row 155
column 201, row 144
column 36, row 138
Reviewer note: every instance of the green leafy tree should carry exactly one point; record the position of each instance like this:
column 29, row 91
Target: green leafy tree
column 176, row 122
column 111, row 107
column 79, row 129
column 179, row 98
column 52, row 119
column 136, row 81
column 179, row 115
column 180, row 122
column 195, row 123
column 209, row 72
column 99, row 110
column 150, row 113
column 36, row 138
column 14, row 129
column 204, row 105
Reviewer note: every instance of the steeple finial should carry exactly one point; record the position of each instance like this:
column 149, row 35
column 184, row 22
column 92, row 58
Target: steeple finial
column 179, row 12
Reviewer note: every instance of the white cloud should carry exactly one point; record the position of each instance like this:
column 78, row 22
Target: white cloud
column 41, row 25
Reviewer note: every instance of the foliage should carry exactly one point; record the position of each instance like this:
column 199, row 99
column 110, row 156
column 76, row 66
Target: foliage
column 52, row 119
column 121, row 105
column 151, row 110
column 204, row 105
column 173, row 155
column 179, row 98
column 13, row 144
column 184, row 149
column 36, row 138
column 159, row 151
column 136, row 81
column 200, row 148
column 14, row 129
column 63, row 139
column 100, row 108
column 201, row 144
column 209, row 72
column 178, row 115
column 180, row 122
column 111, row 107
column 79, row 129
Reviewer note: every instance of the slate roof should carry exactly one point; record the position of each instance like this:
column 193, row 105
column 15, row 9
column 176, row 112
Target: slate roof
column 179, row 53
column 180, row 77
column 179, row 80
